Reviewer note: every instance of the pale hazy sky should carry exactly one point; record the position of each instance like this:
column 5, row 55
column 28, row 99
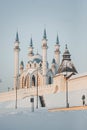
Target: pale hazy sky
column 68, row 18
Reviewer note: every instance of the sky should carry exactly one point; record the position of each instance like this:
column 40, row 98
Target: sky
column 68, row 18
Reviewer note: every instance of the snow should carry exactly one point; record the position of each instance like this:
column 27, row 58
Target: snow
column 79, row 75
column 41, row 119
column 23, row 118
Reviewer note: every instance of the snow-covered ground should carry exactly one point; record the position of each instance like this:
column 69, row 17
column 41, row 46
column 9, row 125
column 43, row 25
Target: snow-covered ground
column 24, row 119
column 41, row 119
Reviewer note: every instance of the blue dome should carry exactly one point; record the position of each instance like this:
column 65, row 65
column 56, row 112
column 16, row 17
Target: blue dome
column 37, row 60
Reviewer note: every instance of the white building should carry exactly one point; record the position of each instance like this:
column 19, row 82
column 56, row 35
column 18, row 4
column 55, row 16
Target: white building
column 58, row 86
column 37, row 71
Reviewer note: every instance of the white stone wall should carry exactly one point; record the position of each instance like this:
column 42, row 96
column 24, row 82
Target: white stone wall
column 22, row 93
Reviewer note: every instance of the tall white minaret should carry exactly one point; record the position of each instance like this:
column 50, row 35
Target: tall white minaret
column 57, row 53
column 16, row 60
column 44, row 57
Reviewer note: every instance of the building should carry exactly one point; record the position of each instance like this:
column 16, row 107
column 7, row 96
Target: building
column 37, row 71
column 58, row 86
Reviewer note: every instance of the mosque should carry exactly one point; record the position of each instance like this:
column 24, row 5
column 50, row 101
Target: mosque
column 38, row 65
column 60, row 85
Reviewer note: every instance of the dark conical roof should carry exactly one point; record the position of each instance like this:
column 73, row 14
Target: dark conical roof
column 31, row 42
column 66, row 64
column 66, row 54
column 17, row 37
column 57, row 40
column 44, row 35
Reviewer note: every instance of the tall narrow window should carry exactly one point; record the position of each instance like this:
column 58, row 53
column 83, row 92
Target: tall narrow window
column 33, row 80
column 30, row 65
column 50, row 81
column 40, row 65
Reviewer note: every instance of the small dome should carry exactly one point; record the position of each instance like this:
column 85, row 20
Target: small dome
column 37, row 60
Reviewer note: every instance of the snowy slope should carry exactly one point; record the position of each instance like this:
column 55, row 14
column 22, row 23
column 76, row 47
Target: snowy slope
column 24, row 119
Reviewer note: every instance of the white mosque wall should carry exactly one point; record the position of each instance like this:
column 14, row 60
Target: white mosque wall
column 77, row 86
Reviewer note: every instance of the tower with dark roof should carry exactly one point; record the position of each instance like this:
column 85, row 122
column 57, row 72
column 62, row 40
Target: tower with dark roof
column 66, row 64
column 16, row 59
column 57, row 53
column 44, row 57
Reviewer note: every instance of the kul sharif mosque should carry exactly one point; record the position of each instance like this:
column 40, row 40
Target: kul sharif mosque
column 59, row 85
column 38, row 63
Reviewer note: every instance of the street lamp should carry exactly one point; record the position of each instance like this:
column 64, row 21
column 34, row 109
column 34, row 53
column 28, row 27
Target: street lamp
column 67, row 103
column 66, row 78
column 37, row 89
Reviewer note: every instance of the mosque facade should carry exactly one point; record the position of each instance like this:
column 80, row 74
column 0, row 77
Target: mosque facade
column 37, row 71
column 58, row 86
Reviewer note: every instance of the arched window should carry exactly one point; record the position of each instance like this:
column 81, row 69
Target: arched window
column 30, row 65
column 40, row 65
column 50, row 81
column 33, row 80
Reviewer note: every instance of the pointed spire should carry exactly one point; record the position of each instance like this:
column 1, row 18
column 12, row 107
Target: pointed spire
column 44, row 36
column 66, row 47
column 66, row 54
column 17, row 37
column 31, row 42
column 57, row 40
column 37, row 51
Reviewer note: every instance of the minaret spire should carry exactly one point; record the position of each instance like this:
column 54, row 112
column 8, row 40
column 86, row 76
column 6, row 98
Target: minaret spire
column 66, row 54
column 57, row 53
column 17, row 37
column 16, row 60
column 66, row 47
column 44, row 35
column 44, row 57
column 31, row 42
column 57, row 40
column 31, row 48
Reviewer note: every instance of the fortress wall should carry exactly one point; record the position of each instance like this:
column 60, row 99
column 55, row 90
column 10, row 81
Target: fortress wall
column 22, row 93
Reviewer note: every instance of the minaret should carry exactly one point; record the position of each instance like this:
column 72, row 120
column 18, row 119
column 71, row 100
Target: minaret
column 30, row 54
column 44, row 57
column 16, row 60
column 57, row 53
